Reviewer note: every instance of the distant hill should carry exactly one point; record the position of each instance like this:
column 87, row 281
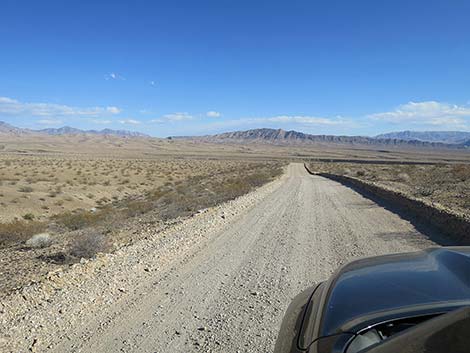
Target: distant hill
column 67, row 130
column 279, row 136
column 268, row 136
column 456, row 137
column 6, row 128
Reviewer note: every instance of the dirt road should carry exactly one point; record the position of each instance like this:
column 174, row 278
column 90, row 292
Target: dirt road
column 229, row 293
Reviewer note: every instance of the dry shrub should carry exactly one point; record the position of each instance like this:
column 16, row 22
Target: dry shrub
column 42, row 240
column 423, row 191
column 25, row 189
column 135, row 208
column 88, row 244
column 461, row 171
column 404, row 177
column 29, row 216
column 19, row 231
column 82, row 219
column 346, row 171
column 198, row 192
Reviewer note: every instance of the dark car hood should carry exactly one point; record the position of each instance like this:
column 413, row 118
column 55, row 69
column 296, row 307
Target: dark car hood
column 432, row 277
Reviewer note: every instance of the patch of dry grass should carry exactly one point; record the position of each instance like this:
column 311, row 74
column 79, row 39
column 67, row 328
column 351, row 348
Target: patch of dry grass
column 19, row 231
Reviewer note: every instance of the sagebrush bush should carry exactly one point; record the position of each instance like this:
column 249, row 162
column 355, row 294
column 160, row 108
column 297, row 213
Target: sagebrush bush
column 461, row 171
column 135, row 208
column 88, row 244
column 82, row 219
column 28, row 216
column 25, row 189
column 19, row 231
column 42, row 240
column 404, row 177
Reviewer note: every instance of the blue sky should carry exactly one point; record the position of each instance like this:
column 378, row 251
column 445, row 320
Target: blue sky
column 196, row 67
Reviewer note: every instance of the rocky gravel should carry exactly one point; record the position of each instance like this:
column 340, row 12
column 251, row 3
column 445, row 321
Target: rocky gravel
column 219, row 281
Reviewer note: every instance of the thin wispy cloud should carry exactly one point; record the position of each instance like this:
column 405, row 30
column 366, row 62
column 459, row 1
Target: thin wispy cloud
column 50, row 122
column 299, row 119
column 181, row 116
column 130, row 122
column 429, row 113
column 158, row 121
column 100, row 121
column 285, row 121
column 113, row 110
column 114, row 76
column 10, row 106
column 213, row 114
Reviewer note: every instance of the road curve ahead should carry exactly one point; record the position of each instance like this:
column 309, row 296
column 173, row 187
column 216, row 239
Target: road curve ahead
column 230, row 293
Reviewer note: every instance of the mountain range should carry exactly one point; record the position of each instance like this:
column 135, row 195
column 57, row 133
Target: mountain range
column 431, row 136
column 67, row 130
column 423, row 139
column 279, row 136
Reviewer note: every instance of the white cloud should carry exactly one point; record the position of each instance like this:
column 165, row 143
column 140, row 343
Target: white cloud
column 113, row 110
column 300, row 122
column 114, row 76
column 213, row 114
column 158, row 121
column 50, row 122
column 9, row 106
column 427, row 113
column 130, row 122
column 7, row 100
column 299, row 119
column 304, row 120
column 100, row 121
column 177, row 117
column 174, row 117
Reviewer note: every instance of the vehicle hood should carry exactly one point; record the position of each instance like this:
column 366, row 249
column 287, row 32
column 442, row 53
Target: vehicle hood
column 391, row 282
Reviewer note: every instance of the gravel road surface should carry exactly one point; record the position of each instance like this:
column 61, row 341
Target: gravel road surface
column 227, row 292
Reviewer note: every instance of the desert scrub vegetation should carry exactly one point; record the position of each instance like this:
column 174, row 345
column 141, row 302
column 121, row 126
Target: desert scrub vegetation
column 19, row 231
column 41, row 240
column 75, row 194
column 59, row 233
column 444, row 184
column 175, row 199
column 88, row 244
column 46, row 186
column 74, row 220
column 25, row 189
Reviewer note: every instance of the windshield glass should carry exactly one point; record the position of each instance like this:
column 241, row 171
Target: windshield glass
column 396, row 282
